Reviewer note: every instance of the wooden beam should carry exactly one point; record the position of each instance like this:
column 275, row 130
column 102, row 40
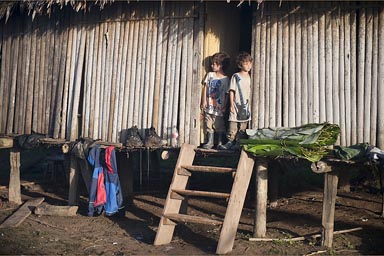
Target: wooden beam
column 6, row 142
column 14, row 179
column 22, row 213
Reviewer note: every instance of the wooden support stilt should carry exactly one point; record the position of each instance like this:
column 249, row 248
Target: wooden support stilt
column 14, row 179
column 329, row 200
column 73, row 181
column 260, row 226
column 85, row 173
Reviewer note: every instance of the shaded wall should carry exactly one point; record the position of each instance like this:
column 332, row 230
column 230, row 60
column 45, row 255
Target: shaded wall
column 97, row 74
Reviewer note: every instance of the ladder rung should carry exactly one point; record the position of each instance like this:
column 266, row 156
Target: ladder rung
column 192, row 219
column 197, row 168
column 201, row 193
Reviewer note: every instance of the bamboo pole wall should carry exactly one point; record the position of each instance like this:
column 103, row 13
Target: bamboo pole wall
column 96, row 75
column 317, row 62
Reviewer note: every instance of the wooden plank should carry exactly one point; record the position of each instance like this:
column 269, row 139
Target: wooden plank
column 67, row 80
column 347, row 77
column 133, row 71
column 335, row 67
column 261, row 121
column 127, row 53
column 165, row 232
column 297, row 70
column 285, row 84
column 60, row 79
column 119, row 128
column 198, row 74
column 22, row 213
column 158, row 81
column 197, row 168
column 55, row 210
column 272, row 74
column 304, row 70
column 190, row 84
column 115, row 70
column 360, row 75
column 328, row 66
column 322, row 39
column 353, row 70
column 260, row 226
column 235, row 204
column 12, row 96
column 367, row 85
column 199, row 193
column 183, row 81
column 342, row 109
column 328, row 215
column 374, row 91
column 99, row 51
column 255, row 70
column 291, row 72
column 315, row 66
column 14, row 179
column 193, row 219
column 74, row 133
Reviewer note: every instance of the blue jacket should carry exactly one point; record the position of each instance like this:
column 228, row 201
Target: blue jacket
column 105, row 168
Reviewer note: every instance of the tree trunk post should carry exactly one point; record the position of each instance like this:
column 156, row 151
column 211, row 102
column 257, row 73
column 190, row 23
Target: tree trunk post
column 329, row 200
column 260, row 226
column 14, row 179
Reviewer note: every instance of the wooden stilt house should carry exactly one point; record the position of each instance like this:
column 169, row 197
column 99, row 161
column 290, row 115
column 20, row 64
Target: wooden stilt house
column 84, row 69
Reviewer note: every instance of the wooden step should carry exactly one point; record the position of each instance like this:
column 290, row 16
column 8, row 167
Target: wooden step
column 191, row 219
column 177, row 192
column 212, row 169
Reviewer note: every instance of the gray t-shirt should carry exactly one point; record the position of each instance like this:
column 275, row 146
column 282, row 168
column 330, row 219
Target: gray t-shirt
column 245, row 84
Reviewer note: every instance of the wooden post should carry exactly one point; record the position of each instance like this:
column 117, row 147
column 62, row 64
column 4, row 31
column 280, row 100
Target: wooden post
column 85, row 173
column 125, row 169
column 14, row 179
column 260, row 224
column 73, row 181
column 329, row 200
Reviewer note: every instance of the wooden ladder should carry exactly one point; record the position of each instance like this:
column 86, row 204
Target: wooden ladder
column 178, row 192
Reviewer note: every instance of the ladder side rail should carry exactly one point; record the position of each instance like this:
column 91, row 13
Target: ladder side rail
column 172, row 206
column 236, row 203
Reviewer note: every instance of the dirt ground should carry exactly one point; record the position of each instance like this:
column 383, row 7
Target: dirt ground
column 298, row 214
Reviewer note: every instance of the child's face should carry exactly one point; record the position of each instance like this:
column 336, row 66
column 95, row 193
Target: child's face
column 246, row 66
column 215, row 67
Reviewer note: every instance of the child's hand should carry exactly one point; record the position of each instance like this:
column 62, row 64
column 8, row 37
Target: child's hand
column 203, row 105
column 233, row 110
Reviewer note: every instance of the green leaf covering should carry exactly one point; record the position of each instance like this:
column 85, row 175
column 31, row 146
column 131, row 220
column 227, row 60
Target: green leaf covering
column 308, row 141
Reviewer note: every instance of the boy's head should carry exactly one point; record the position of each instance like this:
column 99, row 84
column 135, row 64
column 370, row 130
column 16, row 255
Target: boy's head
column 220, row 59
column 244, row 58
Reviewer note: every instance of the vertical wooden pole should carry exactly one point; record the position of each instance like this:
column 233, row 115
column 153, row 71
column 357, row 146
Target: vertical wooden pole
column 380, row 84
column 73, row 181
column 125, row 169
column 260, row 224
column 329, row 200
column 14, row 179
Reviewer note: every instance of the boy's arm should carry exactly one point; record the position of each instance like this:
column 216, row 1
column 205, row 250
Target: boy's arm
column 231, row 101
column 203, row 104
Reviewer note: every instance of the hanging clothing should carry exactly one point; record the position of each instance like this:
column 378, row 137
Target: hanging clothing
column 112, row 183
column 105, row 193
column 97, row 193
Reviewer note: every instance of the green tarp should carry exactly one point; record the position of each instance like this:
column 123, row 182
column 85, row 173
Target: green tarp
column 308, row 141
